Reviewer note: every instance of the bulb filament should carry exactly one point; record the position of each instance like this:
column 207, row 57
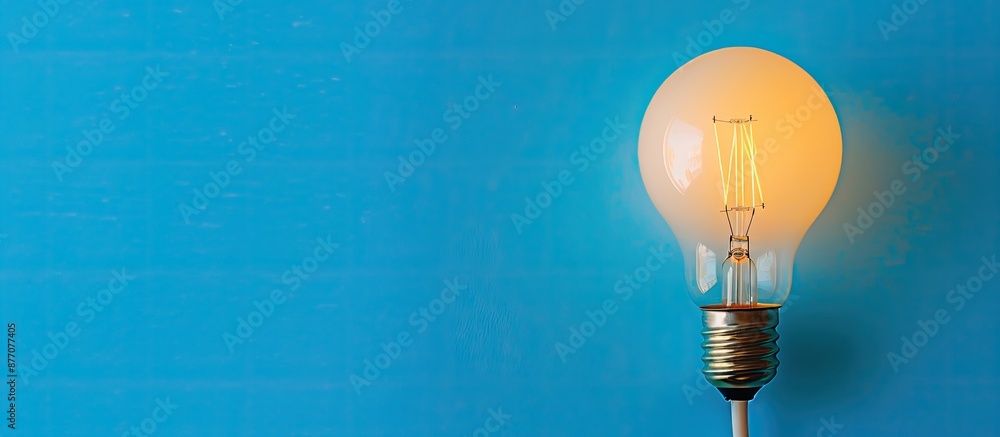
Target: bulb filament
column 740, row 195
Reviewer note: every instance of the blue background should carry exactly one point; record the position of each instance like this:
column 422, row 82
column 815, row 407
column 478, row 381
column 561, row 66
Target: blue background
column 494, row 346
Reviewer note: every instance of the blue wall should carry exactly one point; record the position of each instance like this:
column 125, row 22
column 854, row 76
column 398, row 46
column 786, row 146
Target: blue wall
column 342, row 259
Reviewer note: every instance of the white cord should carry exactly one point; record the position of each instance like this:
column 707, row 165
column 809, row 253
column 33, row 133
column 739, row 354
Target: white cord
column 740, row 428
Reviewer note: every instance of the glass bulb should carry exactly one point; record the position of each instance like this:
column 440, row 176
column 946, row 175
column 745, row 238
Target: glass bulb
column 740, row 150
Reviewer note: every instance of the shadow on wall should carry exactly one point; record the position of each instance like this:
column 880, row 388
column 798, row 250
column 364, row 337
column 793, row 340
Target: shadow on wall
column 824, row 352
column 827, row 363
column 832, row 348
column 890, row 186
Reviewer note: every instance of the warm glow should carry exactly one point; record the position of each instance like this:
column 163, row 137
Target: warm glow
column 770, row 130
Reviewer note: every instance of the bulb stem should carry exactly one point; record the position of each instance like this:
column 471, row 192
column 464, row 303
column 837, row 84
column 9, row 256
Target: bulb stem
column 741, row 426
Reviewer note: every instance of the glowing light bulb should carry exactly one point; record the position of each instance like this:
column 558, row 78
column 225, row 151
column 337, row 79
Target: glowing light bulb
column 740, row 150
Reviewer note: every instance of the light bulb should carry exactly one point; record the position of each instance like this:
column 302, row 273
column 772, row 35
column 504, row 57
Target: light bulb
column 740, row 150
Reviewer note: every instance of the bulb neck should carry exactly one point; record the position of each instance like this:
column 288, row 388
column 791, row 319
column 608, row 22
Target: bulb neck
column 739, row 247
column 740, row 348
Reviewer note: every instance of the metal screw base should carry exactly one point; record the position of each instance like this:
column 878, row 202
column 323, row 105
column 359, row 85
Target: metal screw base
column 741, row 349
